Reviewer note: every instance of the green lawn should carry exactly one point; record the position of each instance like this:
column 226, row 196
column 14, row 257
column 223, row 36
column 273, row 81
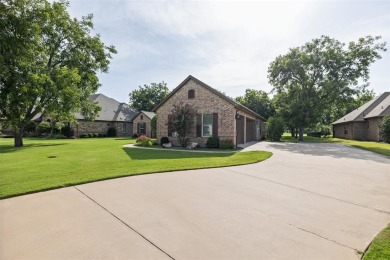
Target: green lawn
column 47, row 164
column 380, row 247
column 376, row 147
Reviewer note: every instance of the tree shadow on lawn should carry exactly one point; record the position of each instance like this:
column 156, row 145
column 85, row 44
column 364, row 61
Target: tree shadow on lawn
column 11, row 148
column 150, row 154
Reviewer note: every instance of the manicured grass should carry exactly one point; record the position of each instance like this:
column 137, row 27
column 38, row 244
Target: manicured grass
column 375, row 147
column 380, row 247
column 47, row 164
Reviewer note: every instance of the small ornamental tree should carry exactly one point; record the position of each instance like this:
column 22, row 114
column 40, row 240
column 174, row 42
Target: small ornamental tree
column 385, row 128
column 275, row 128
column 182, row 121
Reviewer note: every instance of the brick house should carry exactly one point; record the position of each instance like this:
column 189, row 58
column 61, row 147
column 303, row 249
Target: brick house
column 112, row 114
column 217, row 115
column 363, row 123
column 141, row 123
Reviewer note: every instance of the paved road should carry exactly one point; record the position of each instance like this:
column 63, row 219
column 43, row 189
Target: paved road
column 308, row 201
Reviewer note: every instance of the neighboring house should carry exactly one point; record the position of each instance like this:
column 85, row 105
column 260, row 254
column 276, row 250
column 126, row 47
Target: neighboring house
column 112, row 114
column 217, row 115
column 141, row 123
column 363, row 123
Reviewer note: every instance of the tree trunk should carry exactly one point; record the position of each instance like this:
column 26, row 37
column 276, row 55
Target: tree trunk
column 18, row 139
column 292, row 132
column 300, row 133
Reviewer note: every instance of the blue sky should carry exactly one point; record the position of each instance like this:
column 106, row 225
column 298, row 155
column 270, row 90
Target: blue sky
column 226, row 44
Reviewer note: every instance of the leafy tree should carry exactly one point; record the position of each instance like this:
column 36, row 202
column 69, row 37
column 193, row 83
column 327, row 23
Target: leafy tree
column 183, row 116
column 275, row 128
column 48, row 63
column 153, row 126
column 258, row 101
column 385, row 128
column 322, row 73
column 147, row 97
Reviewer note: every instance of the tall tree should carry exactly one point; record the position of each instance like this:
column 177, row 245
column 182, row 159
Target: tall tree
column 322, row 73
column 258, row 101
column 182, row 117
column 48, row 63
column 147, row 97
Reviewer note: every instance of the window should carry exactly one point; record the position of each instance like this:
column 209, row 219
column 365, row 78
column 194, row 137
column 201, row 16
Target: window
column 142, row 117
column 207, row 125
column 191, row 94
column 141, row 128
column 124, row 128
column 345, row 130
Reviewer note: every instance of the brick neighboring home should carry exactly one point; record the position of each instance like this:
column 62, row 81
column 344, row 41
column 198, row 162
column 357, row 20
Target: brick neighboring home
column 141, row 123
column 217, row 115
column 112, row 114
column 363, row 123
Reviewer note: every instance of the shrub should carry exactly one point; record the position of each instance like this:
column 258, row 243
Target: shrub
column 67, row 131
column 111, row 132
column 95, row 135
column 56, row 136
column 143, row 140
column 164, row 140
column 385, row 128
column 134, row 136
column 44, row 128
column 275, row 128
column 212, row 142
column 226, row 144
column 90, row 135
column 30, row 127
column 84, row 136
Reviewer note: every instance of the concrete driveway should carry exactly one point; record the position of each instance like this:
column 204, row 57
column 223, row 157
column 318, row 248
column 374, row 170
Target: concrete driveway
column 308, row 201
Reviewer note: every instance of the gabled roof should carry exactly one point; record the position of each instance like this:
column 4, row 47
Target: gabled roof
column 372, row 107
column 216, row 92
column 150, row 115
column 111, row 110
column 382, row 109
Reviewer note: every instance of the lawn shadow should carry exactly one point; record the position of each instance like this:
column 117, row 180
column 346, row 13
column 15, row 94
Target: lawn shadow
column 11, row 148
column 146, row 154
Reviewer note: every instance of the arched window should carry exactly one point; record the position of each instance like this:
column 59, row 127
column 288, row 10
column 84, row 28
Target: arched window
column 142, row 117
column 191, row 94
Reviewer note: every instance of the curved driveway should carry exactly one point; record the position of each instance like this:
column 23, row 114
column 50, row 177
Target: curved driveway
column 308, row 201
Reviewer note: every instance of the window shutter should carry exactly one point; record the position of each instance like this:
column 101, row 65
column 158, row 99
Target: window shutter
column 170, row 125
column 138, row 128
column 215, row 124
column 199, row 125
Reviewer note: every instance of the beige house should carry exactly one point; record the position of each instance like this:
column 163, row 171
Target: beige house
column 363, row 123
column 112, row 114
column 142, row 123
column 217, row 115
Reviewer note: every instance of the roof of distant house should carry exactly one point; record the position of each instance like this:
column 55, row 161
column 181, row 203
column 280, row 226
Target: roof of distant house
column 111, row 109
column 149, row 114
column 218, row 93
column 377, row 107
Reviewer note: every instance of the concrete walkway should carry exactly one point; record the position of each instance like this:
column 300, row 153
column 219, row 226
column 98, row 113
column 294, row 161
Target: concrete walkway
column 308, row 201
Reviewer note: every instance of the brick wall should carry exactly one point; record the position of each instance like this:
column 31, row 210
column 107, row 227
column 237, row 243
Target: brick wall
column 101, row 127
column 205, row 101
column 373, row 129
column 145, row 120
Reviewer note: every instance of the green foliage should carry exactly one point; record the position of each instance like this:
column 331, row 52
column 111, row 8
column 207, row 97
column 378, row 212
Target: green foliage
column 147, row 97
column 183, row 120
column 258, row 101
column 212, row 142
column 56, row 136
column 275, row 128
column 153, row 126
column 143, row 140
column 111, row 132
column 48, row 63
column 313, row 79
column 380, row 246
column 164, row 140
column 134, row 136
column 44, row 128
column 84, row 135
column 385, row 128
column 30, row 127
column 226, row 144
